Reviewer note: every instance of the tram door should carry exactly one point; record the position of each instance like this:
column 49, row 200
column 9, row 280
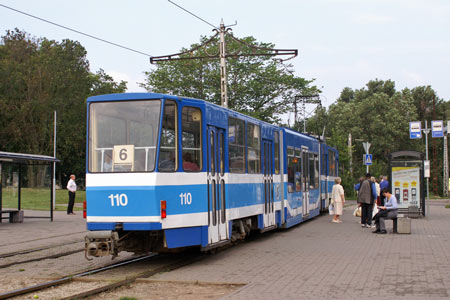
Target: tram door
column 305, row 181
column 218, row 228
column 269, row 208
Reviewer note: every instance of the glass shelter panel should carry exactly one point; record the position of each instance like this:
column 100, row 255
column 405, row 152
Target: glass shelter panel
column 406, row 182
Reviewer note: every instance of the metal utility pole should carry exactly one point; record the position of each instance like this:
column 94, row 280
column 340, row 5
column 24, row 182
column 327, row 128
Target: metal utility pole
column 54, row 165
column 223, row 67
column 224, row 32
column 304, row 99
column 445, row 171
column 427, row 131
column 350, row 154
column 366, row 146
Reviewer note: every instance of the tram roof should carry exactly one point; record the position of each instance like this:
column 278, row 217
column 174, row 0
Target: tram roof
column 25, row 158
column 131, row 96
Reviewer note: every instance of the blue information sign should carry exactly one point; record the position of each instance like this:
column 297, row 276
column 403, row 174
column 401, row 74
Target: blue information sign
column 437, row 129
column 368, row 159
column 415, row 130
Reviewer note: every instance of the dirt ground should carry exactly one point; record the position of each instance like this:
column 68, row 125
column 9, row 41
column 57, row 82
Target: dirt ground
column 141, row 290
column 144, row 290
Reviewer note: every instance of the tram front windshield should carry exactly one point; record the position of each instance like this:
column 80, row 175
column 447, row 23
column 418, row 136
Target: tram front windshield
column 123, row 136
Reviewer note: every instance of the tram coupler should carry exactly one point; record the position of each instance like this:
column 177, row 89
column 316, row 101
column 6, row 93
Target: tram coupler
column 101, row 243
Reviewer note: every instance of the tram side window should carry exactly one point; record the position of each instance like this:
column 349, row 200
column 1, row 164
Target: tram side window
column 294, row 178
column 277, row 152
column 168, row 149
column 312, row 174
column 323, row 164
column 191, row 141
column 253, row 148
column 236, row 145
column 298, row 175
column 316, row 171
column 331, row 163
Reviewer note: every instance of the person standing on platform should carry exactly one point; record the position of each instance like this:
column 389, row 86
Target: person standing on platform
column 72, row 188
column 367, row 193
column 377, row 187
column 338, row 200
column 384, row 184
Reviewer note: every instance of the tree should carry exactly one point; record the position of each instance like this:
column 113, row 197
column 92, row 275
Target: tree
column 377, row 114
column 37, row 77
column 257, row 86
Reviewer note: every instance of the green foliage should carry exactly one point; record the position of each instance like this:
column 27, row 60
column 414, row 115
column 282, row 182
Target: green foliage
column 257, row 85
column 39, row 198
column 378, row 114
column 37, row 77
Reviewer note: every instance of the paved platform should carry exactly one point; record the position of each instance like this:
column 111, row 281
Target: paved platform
column 324, row 260
column 315, row 260
column 38, row 232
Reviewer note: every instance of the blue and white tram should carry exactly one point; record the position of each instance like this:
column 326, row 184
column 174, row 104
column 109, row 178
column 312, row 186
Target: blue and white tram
column 167, row 172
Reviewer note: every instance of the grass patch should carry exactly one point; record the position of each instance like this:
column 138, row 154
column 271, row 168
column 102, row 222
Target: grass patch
column 447, row 206
column 38, row 198
column 128, row 298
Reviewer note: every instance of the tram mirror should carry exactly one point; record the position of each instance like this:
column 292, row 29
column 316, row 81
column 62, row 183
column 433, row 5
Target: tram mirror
column 196, row 115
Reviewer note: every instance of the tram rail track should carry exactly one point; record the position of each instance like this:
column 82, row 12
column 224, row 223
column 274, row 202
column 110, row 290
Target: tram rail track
column 52, row 256
column 71, row 277
column 27, row 251
column 169, row 267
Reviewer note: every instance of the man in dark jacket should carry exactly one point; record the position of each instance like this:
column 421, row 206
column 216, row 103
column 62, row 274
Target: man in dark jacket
column 367, row 194
column 384, row 184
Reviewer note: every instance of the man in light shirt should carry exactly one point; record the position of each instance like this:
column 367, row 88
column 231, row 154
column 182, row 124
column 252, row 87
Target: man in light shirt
column 72, row 188
column 390, row 209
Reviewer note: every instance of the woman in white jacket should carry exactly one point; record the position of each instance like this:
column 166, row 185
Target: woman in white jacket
column 337, row 199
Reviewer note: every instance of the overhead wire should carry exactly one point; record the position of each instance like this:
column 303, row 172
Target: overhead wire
column 193, row 14
column 77, row 31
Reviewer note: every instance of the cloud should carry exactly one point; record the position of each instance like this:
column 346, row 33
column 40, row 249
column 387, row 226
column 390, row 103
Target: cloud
column 369, row 18
column 132, row 81
column 414, row 77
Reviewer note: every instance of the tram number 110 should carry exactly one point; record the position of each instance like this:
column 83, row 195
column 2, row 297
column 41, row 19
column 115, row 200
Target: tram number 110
column 119, row 200
column 186, row 198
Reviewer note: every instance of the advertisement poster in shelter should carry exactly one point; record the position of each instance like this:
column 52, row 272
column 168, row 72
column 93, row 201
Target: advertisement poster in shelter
column 406, row 185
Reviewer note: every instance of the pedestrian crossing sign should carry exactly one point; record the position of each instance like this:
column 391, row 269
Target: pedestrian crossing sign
column 368, row 159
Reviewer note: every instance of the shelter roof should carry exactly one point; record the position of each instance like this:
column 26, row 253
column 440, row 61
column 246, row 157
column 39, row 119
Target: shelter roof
column 25, row 158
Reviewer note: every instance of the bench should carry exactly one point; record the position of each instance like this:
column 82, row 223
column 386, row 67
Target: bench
column 401, row 224
column 15, row 216
column 394, row 225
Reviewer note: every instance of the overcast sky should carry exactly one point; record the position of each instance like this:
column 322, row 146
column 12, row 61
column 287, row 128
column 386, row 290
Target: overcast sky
column 342, row 43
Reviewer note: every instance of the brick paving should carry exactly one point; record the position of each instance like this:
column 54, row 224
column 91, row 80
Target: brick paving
column 324, row 260
column 315, row 260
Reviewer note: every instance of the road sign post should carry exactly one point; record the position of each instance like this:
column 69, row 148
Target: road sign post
column 366, row 146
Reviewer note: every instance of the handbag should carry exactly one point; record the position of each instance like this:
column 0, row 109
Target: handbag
column 357, row 212
column 331, row 209
column 375, row 210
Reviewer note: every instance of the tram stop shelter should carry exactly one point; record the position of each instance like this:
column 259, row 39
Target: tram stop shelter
column 26, row 182
column 406, row 174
